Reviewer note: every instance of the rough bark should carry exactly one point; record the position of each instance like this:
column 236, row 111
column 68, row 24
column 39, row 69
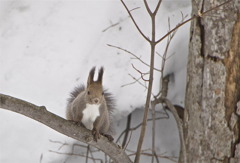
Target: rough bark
column 211, row 120
column 63, row 126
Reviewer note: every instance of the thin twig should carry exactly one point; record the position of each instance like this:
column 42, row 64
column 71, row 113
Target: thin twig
column 153, row 134
column 147, row 7
column 58, row 142
column 157, row 7
column 87, row 154
column 73, row 154
column 133, row 20
column 190, row 19
column 138, row 81
column 164, row 57
column 135, row 81
column 183, row 151
column 91, row 153
column 134, row 9
column 128, row 140
column 106, row 159
column 114, row 24
column 141, row 73
column 111, row 26
column 74, row 145
column 144, row 152
column 41, row 157
column 150, row 85
column 140, row 124
column 135, row 56
column 127, row 130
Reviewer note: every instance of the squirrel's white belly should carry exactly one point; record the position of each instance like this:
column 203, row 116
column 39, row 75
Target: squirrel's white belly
column 90, row 113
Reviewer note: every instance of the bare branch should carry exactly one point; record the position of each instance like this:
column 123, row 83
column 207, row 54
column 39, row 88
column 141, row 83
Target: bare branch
column 63, row 126
column 128, row 140
column 157, row 8
column 180, row 129
column 141, row 73
column 153, row 134
column 41, row 157
column 87, row 154
column 114, row 24
column 135, row 81
column 147, row 7
column 190, row 19
column 149, row 91
column 135, row 56
column 133, row 20
column 62, row 144
column 73, row 154
column 139, row 125
column 127, row 130
column 135, row 9
column 144, row 152
column 153, row 44
column 111, row 26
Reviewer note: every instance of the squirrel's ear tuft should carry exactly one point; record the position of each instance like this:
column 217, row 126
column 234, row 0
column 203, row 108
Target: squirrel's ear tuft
column 100, row 75
column 90, row 76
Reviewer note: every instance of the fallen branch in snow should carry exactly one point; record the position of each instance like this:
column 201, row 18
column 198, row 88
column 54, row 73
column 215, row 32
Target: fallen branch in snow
column 162, row 155
column 68, row 128
column 77, row 154
column 73, row 153
column 139, row 125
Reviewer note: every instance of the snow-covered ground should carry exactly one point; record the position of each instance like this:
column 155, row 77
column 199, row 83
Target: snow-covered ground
column 48, row 47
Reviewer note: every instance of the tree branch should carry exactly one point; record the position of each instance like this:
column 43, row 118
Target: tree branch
column 129, row 13
column 147, row 7
column 79, row 155
column 183, row 151
column 149, row 91
column 135, row 56
column 157, row 8
column 63, row 126
column 190, row 19
column 129, row 118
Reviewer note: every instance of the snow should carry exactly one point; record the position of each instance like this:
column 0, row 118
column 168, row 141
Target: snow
column 48, row 47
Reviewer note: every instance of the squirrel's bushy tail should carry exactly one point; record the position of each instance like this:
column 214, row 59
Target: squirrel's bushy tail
column 110, row 101
column 76, row 91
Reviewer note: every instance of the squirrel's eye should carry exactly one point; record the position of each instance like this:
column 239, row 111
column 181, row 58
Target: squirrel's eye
column 102, row 93
column 88, row 92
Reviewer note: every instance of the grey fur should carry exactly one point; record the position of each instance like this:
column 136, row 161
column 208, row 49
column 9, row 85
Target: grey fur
column 79, row 97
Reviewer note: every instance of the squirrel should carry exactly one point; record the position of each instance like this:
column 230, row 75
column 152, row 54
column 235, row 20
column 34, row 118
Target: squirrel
column 92, row 106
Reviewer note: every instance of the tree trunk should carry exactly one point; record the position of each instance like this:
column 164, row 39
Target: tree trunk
column 211, row 120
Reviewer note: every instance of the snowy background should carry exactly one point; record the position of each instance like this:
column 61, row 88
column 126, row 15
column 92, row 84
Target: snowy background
column 48, row 47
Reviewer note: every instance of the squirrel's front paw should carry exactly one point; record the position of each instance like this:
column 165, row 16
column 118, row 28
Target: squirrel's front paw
column 96, row 134
column 109, row 137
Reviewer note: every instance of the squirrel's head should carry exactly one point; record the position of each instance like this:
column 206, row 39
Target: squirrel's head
column 94, row 91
